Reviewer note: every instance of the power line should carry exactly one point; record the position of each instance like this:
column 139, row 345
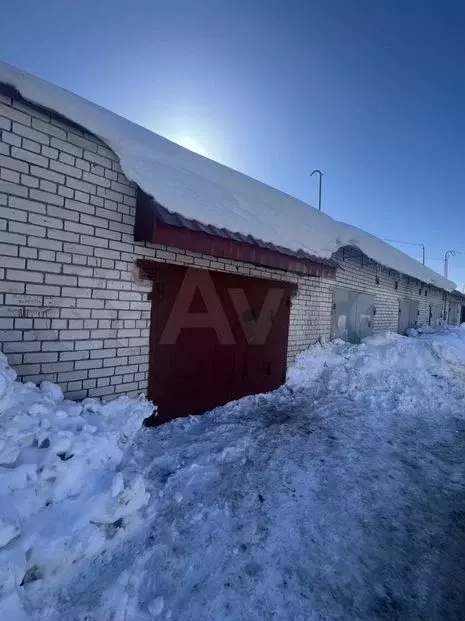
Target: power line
column 396, row 241
column 406, row 243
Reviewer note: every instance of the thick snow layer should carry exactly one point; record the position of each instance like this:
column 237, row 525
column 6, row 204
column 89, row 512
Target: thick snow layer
column 63, row 490
column 198, row 188
column 339, row 497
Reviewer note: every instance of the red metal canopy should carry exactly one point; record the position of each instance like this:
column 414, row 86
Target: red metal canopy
column 157, row 225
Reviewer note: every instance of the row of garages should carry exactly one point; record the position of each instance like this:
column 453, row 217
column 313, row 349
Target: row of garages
column 226, row 312
column 354, row 314
column 241, row 325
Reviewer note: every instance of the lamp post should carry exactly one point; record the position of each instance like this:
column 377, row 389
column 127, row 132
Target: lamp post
column 449, row 253
column 320, row 174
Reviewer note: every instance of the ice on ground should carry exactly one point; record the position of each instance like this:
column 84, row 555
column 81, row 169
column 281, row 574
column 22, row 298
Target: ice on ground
column 340, row 496
column 65, row 490
column 200, row 189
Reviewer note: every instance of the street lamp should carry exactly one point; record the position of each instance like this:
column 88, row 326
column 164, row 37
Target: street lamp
column 449, row 253
column 320, row 174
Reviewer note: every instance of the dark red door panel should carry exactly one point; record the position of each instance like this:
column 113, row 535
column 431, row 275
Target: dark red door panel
column 215, row 337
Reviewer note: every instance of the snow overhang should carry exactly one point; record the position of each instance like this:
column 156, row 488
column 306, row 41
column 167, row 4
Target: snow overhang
column 207, row 192
column 155, row 224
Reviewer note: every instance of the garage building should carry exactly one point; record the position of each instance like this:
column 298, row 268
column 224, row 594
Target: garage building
column 129, row 264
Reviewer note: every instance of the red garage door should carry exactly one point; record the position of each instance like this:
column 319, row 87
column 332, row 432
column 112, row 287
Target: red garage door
column 215, row 337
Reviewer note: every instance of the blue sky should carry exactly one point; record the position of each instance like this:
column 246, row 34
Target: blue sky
column 370, row 91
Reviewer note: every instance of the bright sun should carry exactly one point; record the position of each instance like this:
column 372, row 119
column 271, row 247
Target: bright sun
column 191, row 144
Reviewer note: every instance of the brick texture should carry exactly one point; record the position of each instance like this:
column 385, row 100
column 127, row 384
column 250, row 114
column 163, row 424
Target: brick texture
column 388, row 287
column 73, row 308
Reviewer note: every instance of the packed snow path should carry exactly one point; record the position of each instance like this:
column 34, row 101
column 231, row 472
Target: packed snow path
column 338, row 497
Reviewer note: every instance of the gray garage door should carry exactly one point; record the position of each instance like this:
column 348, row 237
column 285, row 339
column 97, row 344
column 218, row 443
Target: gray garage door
column 353, row 314
column 453, row 317
column 408, row 315
column 435, row 314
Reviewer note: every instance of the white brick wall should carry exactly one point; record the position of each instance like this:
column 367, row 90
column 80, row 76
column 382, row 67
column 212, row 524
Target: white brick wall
column 71, row 308
column 65, row 313
column 359, row 273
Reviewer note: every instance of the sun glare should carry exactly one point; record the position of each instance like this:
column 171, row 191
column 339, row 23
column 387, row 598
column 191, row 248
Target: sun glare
column 190, row 143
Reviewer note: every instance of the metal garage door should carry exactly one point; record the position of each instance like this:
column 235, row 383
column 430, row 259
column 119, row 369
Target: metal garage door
column 435, row 314
column 215, row 337
column 454, row 313
column 408, row 315
column 353, row 314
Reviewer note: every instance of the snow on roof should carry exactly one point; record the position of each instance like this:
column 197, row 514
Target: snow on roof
column 198, row 188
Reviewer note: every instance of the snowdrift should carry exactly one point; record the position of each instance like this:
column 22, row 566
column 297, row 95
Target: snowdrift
column 64, row 492
column 385, row 363
column 338, row 496
column 203, row 190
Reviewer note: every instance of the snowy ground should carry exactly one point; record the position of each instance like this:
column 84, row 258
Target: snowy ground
column 338, row 497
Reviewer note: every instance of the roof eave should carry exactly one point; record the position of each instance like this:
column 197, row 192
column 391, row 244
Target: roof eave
column 156, row 225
